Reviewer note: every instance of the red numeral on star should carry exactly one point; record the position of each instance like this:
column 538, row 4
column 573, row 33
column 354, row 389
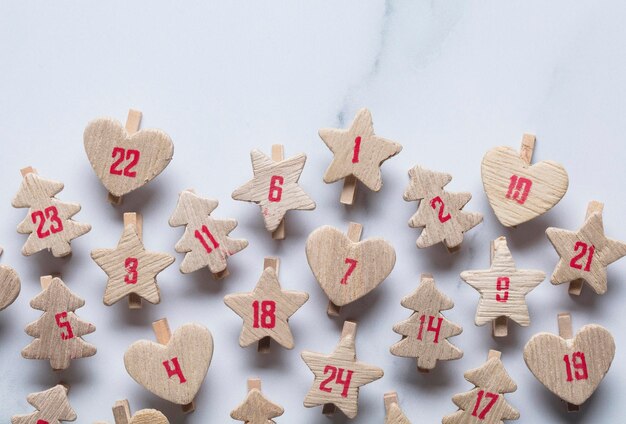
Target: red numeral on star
column 580, row 366
column 50, row 213
column 276, row 190
column 204, row 243
column 430, row 327
column 264, row 314
column 493, row 397
column 357, row 150
column 503, row 284
column 63, row 324
column 438, row 202
column 519, row 188
column 336, row 375
column 131, row 270
column 123, row 154
column 584, row 249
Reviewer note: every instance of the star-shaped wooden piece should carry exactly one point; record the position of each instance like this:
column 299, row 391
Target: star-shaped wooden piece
column 503, row 287
column 586, row 253
column 339, row 376
column 52, row 406
column 275, row 187
column 267, row 309
column 256, row 408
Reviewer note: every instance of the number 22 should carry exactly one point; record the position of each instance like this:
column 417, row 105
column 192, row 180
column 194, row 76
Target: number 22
column 131, row 154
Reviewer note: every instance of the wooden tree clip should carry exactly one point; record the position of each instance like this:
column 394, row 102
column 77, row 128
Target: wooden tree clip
column 122, row 415
column 256, row 408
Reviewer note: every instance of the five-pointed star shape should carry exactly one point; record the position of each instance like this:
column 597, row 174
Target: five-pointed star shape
column 285, row 304
column 585, row 253
column 503, row 287
column 343, row 358
column 275, row 187
column 358, row 151
column 129, row 262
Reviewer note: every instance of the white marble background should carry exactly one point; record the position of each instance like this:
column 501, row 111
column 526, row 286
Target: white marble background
column 447, row 79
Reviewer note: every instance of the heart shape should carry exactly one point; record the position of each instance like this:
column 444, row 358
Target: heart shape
column 549, row 357
column 149, row 416
column 124, row 162
column 174, row 371
column 9, row 286
column 330, row 252
column 518, row 192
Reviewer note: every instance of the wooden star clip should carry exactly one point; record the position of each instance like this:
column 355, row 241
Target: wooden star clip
column 256, row 408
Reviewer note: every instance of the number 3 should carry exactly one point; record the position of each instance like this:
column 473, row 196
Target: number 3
column 131, row 270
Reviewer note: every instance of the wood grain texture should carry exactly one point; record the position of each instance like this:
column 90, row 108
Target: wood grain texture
column 418, row 341
column 439, row 212
column 53, row 407
column 58, row 331
column 49, row 222
column 275, row 187
column 150, row 364
column 256, row 408
column 9, row 286
column 343, row 357
column 331, row 255
column 194, row 212
column 548, row 183
column 393, row 413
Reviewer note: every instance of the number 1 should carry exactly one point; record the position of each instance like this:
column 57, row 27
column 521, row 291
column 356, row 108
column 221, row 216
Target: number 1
column 357, row 150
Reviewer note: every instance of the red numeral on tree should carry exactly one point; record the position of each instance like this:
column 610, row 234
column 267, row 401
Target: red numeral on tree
column 351, row 265
column 519, row 188
column 202, row 240
column 430, row 327
column 120, row 154
column 276, row 189
column 503, row 284
column 174, row 369
column 131, row 270
column 437, row 202
column 493, row 397
column 584, row 250
column 50, row 213
column 42, row 422
column 357, row 150
column 336, row 375
column 264, row 314
column 580, row 366
column 63, row 324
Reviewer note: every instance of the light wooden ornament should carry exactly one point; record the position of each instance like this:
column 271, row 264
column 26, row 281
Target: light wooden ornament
column 124, row 158
column 9, row 286
column 426, row 332
column 175, row 367
column 571, row 366
column 49, row 222
column 485, row 403
column 58, row 331
column 585, row 254
column 205, row 241
column 256, row 408
column 503, row 289
column 266, row 310
column 393, row 413
column 132, row 270
column 346, row 268
column 439, row 212
column 358, row 155
column 339, row 376
column 518, row 191
column 52, row 407
column 121, row 414
column 275, row 188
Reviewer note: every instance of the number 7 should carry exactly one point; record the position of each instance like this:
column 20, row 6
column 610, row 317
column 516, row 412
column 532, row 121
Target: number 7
column 351, row 265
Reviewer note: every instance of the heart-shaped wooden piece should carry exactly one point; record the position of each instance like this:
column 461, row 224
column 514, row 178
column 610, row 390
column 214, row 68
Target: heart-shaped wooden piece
column 149, row 416
column 571, row 369
column 517, row 191
column 124, row 162
column 9, row 286
column 174, row 371
column 346, row 270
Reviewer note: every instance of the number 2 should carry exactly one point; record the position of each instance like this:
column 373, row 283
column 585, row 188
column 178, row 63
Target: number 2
column 503, row 284
column 131, row 270
column 351, row 265
column 50, row 213
column 493, row 397
column 433, row 204
column 584, row 248
column 130, row 154
column 336, row 374
column 580, row 366
column 64, row 325
column 266, row 314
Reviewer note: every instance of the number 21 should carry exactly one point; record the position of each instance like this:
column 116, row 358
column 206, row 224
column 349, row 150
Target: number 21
column 584, row 248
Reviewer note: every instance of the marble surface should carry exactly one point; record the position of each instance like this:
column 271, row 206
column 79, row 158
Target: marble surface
column 448, row 80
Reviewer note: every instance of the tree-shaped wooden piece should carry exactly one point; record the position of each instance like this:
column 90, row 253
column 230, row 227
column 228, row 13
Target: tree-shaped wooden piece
column 485, row 403
column 439, row 212
column 121, row 414
column 358, row 155
column 256, row 408
column 503, row 289
column 275, row 187
column 52, row 407
column 132, row 270
column 9, row 286
column 266, row 310
column 585, row 254
column 339, row 376
column 205, row 241
column 393, row 413
column 49, row 221
column 426, row 332
column 58, row 331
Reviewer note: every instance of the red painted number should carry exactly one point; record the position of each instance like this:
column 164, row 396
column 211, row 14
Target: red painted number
column 174, row 370
column 42, row 422
column 131, row 270
column 351, row 265
column 276, row 189
column 519, row 187
column 493, row 397
column 120, row 154
column 63, row 324
column 502, row 284
column 438, row 202
column 200, row 236
column 264, row 314
column 357, row 150
column 336, row 375
column 51, row 213
column 580, row 366
column 430, row 327
column 584, row 250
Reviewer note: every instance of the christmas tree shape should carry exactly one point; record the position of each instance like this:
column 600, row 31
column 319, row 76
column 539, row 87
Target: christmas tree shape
column 426, row 331
column 439, row 212
column 52, row 406
column 48, row 221
column 205, row 241
column 57, row 332
column 485, row 404
column 256, row 408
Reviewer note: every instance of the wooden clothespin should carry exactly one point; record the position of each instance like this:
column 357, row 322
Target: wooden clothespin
column 256, row 408
column 133, row 122
column 278, row 154
column 393, row 413
column 122, row 415
column 567, row 332
column 576, row 286
column 135, row 220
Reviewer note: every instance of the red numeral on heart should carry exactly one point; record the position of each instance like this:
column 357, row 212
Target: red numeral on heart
column 174, row 369
column 356, row 150
column 438, row 202
column 204, row 243
column 493, row 397
column 276, row 189
column 502, row 284
column 42, row 422
column 584, row 248
column 64, row 325
column 50, row 213
column 265, row 314
column 351, row 265
column 519, row 188
column 580, row 366
column 123, row 154
column 131, row 270
column 336, row 375
column 430, row 327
